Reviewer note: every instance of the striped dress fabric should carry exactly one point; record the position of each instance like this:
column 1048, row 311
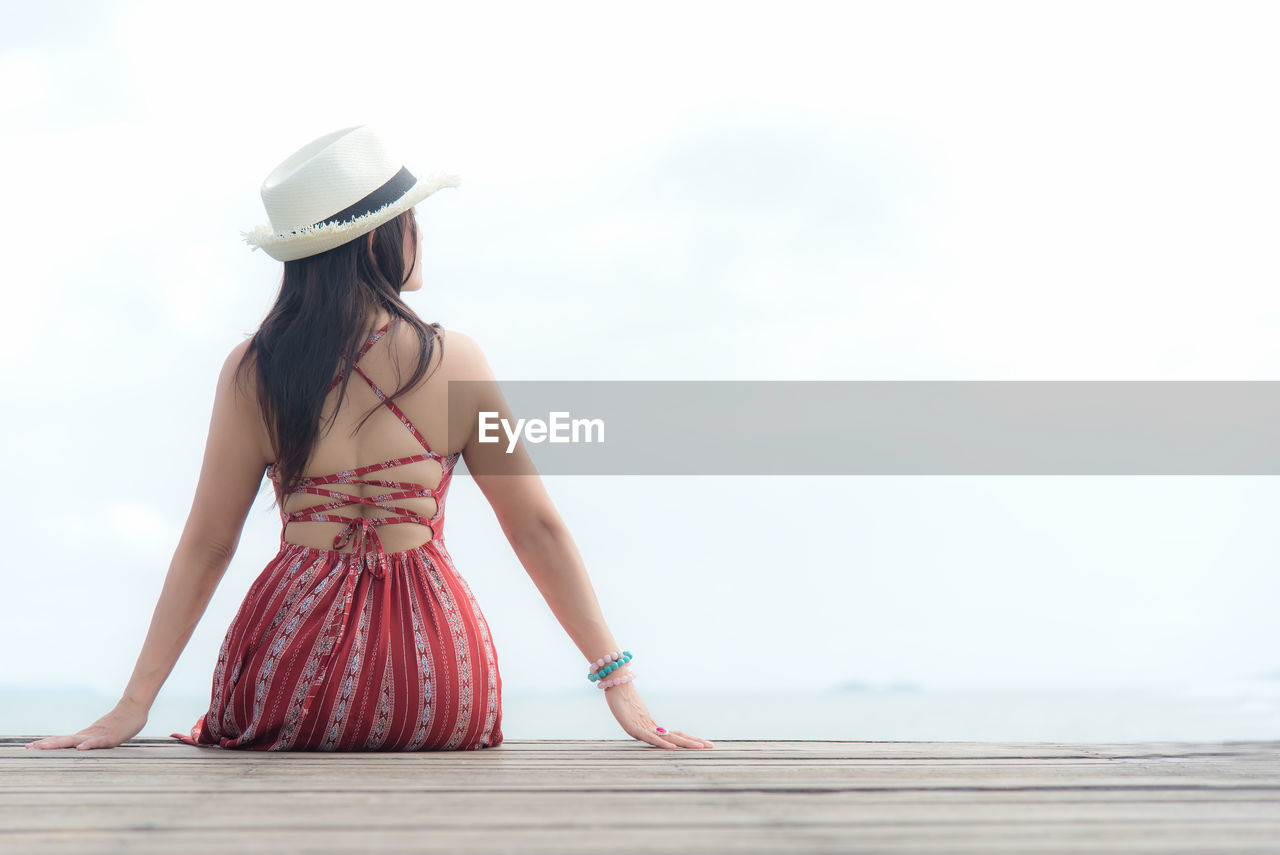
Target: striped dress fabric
column 359, row 650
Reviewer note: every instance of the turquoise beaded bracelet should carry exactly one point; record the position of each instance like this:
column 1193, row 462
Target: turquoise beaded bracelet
column 613, row 662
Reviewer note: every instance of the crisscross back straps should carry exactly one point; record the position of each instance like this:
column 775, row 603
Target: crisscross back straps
column 372, row 340
column 399, row 489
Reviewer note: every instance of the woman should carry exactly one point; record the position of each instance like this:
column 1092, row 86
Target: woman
column 359, row 635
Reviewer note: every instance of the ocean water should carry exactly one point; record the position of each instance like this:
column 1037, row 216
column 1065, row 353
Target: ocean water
column 1227, row 712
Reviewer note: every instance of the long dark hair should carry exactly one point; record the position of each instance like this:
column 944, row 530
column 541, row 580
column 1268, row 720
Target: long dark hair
column 322, row 317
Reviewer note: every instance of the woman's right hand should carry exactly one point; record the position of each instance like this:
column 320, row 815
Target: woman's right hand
column 118, row 726
column 632, row 714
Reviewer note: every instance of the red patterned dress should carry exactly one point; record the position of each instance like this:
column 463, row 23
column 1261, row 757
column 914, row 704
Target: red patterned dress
column 363, row 650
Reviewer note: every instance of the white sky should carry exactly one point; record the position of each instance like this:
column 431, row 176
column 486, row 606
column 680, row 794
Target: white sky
column 679, row 191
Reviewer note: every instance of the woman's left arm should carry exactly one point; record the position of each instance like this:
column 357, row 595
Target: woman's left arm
column 230, row 477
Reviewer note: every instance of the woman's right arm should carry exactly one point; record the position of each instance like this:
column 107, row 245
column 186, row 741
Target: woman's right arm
column 541, row 540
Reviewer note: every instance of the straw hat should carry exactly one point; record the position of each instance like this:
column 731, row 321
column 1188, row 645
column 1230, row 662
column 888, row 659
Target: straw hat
column 334, row 189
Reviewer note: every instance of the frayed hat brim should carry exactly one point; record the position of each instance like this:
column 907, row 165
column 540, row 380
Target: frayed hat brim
column 313, row 239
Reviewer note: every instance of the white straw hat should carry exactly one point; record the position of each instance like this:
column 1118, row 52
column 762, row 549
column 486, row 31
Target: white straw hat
column 334, row 189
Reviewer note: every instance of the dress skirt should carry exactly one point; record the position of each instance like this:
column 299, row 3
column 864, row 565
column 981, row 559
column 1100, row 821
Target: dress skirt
column 352, row 651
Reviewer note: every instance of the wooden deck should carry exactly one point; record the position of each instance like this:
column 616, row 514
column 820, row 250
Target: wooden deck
column 157, row 795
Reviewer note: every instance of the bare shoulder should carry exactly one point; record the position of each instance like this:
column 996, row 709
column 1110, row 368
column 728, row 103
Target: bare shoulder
column 238, row 353
column 461, row 357
column 245, row 348
column 232, row 369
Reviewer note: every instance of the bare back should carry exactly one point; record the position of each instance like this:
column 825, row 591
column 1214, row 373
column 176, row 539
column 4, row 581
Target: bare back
column 385, row 437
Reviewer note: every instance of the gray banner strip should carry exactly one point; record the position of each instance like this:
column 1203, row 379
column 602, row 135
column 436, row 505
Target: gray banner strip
column 896, row 427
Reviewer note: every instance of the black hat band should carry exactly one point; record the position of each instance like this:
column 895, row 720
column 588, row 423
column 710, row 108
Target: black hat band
column 395, row 187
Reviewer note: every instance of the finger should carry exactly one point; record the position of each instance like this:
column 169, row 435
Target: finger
column 684, row 740
column 705, row 743
column 654, row 739
column 58, row 741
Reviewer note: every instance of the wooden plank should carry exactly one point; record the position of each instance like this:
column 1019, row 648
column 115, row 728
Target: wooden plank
column 620, row 796
column 763, row 748
column 102, row 811
column 1043, row 838
column 87, row 774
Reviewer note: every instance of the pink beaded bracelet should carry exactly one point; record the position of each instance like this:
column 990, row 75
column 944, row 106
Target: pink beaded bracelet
column 607, row 664
column 605, row 660
column 614, row 681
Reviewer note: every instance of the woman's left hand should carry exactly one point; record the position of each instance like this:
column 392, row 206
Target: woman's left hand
column 633, row 715
column 120, row 725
